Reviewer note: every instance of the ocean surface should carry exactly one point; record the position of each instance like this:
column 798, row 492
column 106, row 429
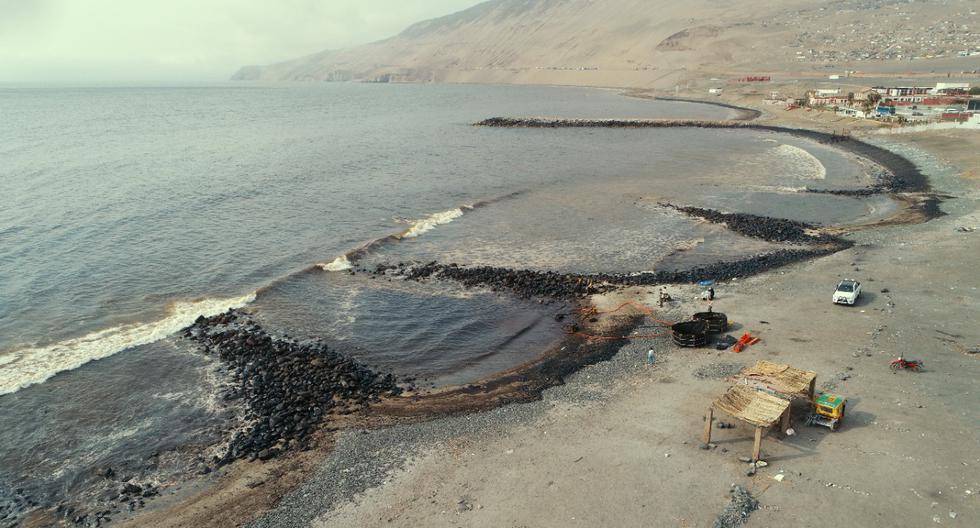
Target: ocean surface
column 127, row 212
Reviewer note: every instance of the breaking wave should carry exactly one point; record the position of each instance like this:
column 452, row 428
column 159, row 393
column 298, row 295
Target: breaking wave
column 812, row 167
column 431, row 222
column 340, row 263
column 781, row 189
column 415, row 229
column 28, row 366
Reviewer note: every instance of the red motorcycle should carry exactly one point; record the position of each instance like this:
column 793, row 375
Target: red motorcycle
column 906, row 364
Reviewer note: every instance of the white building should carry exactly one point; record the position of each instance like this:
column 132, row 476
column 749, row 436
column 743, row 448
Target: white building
column 827, row 92
column 852, row 112
column 943, row 87
column 954, row 86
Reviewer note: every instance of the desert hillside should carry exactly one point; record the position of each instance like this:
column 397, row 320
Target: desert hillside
column 649, row 42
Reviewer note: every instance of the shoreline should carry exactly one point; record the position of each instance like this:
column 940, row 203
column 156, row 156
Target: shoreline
column 746, row 114
column 249, row 487
column 519, row 385
column 591, row 448
column 906, row 177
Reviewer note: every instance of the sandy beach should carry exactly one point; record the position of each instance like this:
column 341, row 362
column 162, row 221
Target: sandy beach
column 619, row 442
column 490, row 263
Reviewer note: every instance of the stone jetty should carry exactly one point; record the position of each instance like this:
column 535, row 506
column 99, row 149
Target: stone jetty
column 288, row 387
column 900, row 175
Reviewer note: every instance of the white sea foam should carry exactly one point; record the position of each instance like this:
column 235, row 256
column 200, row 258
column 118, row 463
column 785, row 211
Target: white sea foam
column 812, row 167
column 688, row 245
column 430, row 222
column 416, row 228
column 340, row 329
column 782, row 189
column 27, row 366
column 340, row 263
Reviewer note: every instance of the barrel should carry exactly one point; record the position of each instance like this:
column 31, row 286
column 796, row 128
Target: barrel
column 717, row 322
column 690, row 334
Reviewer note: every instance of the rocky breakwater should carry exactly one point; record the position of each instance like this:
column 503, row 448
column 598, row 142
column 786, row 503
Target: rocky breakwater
column 543, row 122
column 287, row 387
column 525, row 283
column 897, row 174
column 762, row 227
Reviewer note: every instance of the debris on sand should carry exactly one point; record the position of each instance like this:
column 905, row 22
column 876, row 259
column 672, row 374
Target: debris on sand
column 738, row 510
column 718, row 370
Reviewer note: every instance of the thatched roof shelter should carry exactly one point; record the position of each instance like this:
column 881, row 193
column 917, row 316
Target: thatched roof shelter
column 779, row 378
column 751, row 406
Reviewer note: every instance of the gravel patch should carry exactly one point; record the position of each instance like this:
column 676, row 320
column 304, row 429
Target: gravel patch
column 717, row 370
column 738, row 510
column 365, row 459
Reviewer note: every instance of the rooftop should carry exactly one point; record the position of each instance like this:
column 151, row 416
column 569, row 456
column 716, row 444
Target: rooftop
column 751, row 406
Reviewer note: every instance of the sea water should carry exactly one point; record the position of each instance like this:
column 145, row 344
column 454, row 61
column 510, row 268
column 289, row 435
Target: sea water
column 127, row 212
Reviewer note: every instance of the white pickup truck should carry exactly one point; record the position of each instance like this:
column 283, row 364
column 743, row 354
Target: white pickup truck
column 847, row 292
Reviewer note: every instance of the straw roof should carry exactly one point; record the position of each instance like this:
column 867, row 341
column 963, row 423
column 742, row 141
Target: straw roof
column 752, row 406
column 780, row 377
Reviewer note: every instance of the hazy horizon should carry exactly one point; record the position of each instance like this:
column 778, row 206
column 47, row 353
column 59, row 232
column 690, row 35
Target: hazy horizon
column 92, row 41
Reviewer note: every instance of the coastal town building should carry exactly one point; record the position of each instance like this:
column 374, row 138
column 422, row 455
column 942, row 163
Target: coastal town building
column 827, row 101
column 951, row 88
column 849, row 111
column 944, row 102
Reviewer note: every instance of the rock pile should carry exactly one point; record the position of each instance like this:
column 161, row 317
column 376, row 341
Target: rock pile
column 867, row 191
column 538, row 122
column 119, row 496
column 524, row 283
column 288, row 387
column 738, row 510
column 761, row 227
column 719, row 271
column 565, row 286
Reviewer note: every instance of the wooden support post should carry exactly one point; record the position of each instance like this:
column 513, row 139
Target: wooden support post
column 757, row 447
column 784, row 425
column 708, row 416
column 813, row 391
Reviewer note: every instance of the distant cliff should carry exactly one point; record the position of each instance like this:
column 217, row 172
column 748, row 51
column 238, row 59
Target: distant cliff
column 597, row 42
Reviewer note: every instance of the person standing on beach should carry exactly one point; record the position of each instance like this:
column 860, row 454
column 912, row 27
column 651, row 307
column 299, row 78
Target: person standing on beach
column 711, row 293
column 650, row 357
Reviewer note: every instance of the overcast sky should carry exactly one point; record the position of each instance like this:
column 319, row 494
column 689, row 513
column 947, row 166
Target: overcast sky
column 181, row 40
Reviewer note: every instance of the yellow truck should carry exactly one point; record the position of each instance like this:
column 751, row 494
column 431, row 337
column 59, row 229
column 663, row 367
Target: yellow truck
column 828, row 411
